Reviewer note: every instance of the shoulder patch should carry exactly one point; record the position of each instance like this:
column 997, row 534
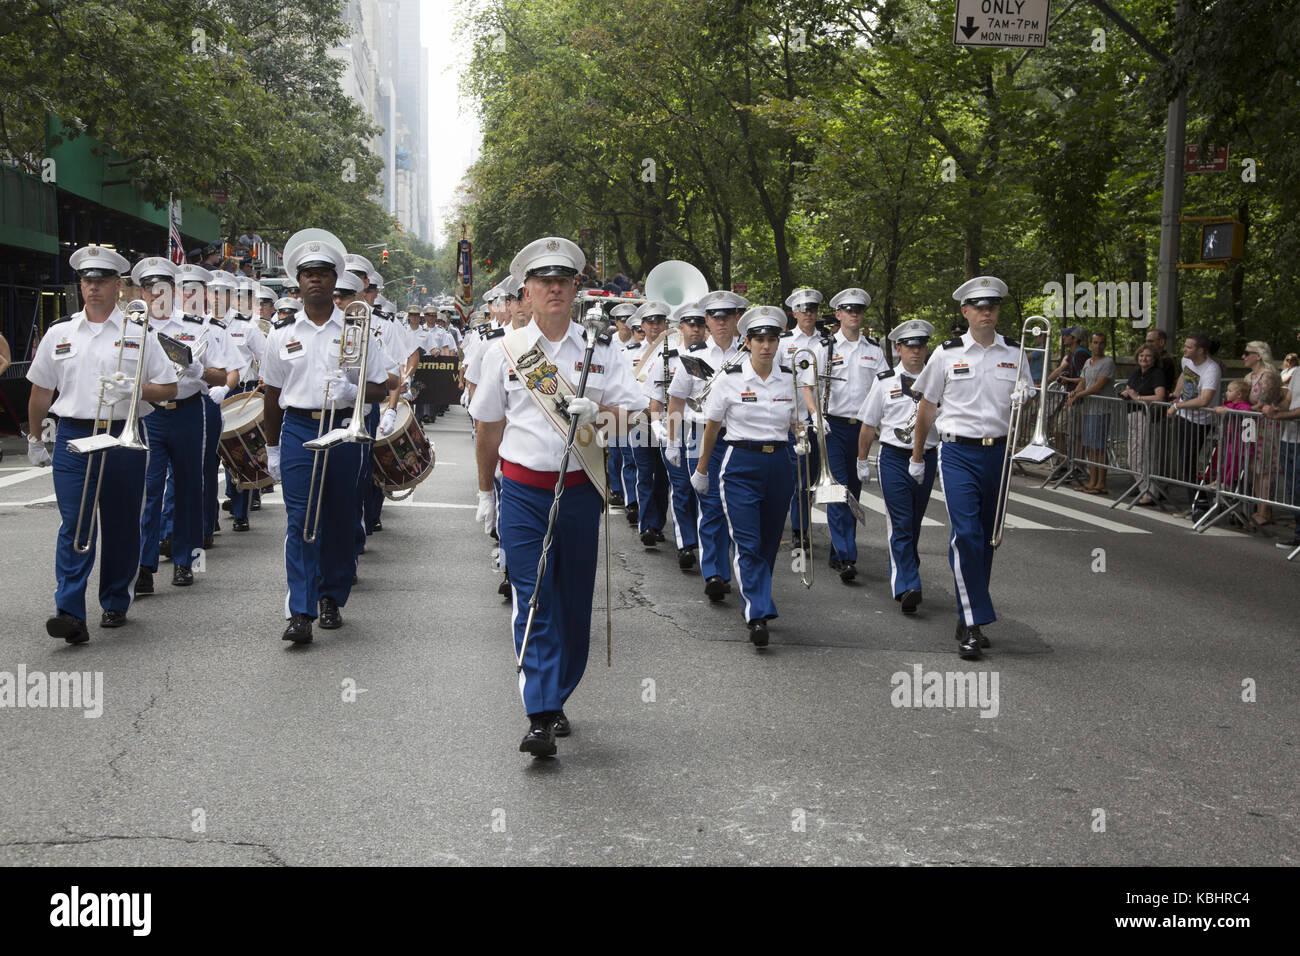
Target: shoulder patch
column 192, row 318
column 786, row 369
column 827, row 340
column 496, row 333
column 871, row 341
column 1014, row 343
column 66, row 318
column 885, row 374
column 218, row 323
column 287, row 320
column 733, row 369
column 952, row 343
column 602, row 339
column 786, row 334
column 634, row 346
column 671, row 353
column 696, row 347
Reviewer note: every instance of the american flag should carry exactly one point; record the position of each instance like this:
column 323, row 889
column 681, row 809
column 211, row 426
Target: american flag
column 174, row 243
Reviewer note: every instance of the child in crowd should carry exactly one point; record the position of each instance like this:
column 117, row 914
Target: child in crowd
column 1232, row 451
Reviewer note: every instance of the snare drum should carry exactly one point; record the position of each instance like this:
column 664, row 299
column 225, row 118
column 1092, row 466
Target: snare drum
column 404, row 457
column 243, row 443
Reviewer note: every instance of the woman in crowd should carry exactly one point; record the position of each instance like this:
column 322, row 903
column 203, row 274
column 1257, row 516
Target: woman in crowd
column 1097, row 373
column 1146, row 385
column 1265, row 389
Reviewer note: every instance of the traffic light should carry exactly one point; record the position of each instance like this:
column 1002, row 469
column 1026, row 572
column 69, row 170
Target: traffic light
column 423, row 290
column 383, row 258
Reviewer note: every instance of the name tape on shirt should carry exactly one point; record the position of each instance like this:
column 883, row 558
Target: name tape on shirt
column 961, row 368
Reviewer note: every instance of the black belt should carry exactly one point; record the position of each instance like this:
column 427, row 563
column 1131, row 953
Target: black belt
column 168, row 406
column 983, row 442
column 766, row 448
column 843, row 421
column 313, row 413
column 92, row 423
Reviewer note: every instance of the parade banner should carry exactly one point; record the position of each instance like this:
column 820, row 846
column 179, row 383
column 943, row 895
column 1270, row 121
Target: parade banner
column 438, row 378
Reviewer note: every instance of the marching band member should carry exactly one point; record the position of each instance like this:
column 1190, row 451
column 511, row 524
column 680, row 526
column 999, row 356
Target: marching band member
column 633, row 351
column 249, row 344
column 803, row 305
column 349, row 287
column 682, row 436
column 78, row 358
column 754, row 401
column 622, row 466
column 890, row 411
column 301, row 354
column 852, row 360
column 286, row 307
column 651, row 477
column 970, row 379
column 515, row 429
column 722, row 311
column 176, row 428
column 237, row 298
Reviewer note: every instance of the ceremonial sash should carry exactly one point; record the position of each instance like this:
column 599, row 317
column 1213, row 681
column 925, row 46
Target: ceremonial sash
column 550, row 390
column 647, row 360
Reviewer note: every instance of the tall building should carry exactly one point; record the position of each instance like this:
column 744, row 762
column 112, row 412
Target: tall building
column 386, row 70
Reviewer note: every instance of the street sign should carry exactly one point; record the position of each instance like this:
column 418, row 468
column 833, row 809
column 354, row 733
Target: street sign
column 740, row 288
column 1020, row 23
column 1215, row 162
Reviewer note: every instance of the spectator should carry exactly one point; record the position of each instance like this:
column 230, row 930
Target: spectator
column 1145, row 386
column 5, row 357
column 1265, row 388
column 1232, row 450
column 1195, row 394
column 229, row 265
column 1073, row 357
column 212, row 256
column 1287, row 412
column 1096, row 374
column 249, row 239
column 1167, row 363
column 1289, row 365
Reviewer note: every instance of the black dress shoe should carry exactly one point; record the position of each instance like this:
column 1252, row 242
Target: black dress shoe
column 632, row 514
column 379, row 526
column 561, row 725
column 299, row 630
column 910, row 599
column 984, row 641
column 540, row 739
column 227, row 505
column 968, row 643
column 504, row 587
column 165, row 547
column 144, row 583
column 758, row 633
column 848, row 571
column 648, row 538
column 182, row 577
column 112, row 619
column 241, row 524
column 715, row 588
column 71, row 629
column 257, row 502
column 330, row 618
column 216, row 526
column 207, row 542
column 616, row 499
column 659, row 535
column 686, row 558
column 836, row 564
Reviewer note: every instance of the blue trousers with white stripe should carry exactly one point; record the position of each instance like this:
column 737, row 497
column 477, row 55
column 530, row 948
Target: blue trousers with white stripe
column 651, row 487
column 614, row 466
column 711, row 528
column 176, row 439
column 239, row 500
column 970, row 487
column 120, row 499
column 556, row 657
column 842, row 455
column 799, row 518
column 211, row 461
column 323, row 568
column 905, row 503
column 682, row 496
column 755, row 490
column 366, row 514
column 628, row 477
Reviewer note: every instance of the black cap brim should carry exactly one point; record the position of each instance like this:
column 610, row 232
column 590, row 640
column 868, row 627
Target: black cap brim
column 158, row 278
column 547, row 271
column 764, row 330
column 96, row 272
column 913, row 340
column 317, row 264
column 984, row 300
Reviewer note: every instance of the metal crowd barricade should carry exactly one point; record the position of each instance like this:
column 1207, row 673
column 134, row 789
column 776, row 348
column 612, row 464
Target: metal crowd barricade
column 1252, row 463
column 1062, row 424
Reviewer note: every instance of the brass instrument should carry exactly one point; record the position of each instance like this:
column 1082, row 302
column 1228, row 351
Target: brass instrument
column 827, row 491
column 697, row 404
column 1039, row 449
column 354, row 349
column 904, row 434
column 99, row 443
column 675, row 282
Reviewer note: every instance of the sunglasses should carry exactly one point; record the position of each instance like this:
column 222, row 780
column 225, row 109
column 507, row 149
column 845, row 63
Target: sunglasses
column 721, row 313
column 854, row 309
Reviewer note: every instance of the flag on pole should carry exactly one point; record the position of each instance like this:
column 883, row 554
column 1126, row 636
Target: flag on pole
column 175, row 246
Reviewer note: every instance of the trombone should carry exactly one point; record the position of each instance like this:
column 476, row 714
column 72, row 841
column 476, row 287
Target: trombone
column 1039, row 449
column 99, row 443
column 354, row 349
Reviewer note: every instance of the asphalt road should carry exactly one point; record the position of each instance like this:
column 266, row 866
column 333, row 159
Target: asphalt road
column 1119, row 735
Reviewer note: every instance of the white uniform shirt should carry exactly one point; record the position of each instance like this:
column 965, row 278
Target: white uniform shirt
column 972, row 386
column 794, row 340
column 220, row 353
column 632, row 354
column 247, row 340
column 750, row 408
column 390, row 341
column 529, row 438
column 186, row 330
column 300, row 355
column 687, row 385
column 73, row 354
column 857, row 363
column 655, row 387
column 891, row 404
column 474, row 363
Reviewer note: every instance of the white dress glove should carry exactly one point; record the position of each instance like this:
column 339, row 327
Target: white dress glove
column 801, row 448
column 700, row 482
column 273, row 461
column 582, row 409
column 387, row 421
column 342, row 392
column 660, row 432
column 864, row 470
column 673, row 454
column 36, row 452
column 218, row 393
column 194, row 370
column 917, row 470
column 117, row 387
column 487, row 511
